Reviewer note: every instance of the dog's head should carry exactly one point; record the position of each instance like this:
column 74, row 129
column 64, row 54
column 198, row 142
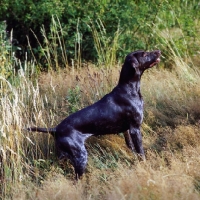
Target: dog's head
column 142, row 60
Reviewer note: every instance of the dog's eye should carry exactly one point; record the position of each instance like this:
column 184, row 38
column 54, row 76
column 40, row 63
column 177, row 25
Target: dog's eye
column 145, row 54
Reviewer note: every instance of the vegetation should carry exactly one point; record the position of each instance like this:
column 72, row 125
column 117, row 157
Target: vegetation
column 133, row 20
column 29, row 96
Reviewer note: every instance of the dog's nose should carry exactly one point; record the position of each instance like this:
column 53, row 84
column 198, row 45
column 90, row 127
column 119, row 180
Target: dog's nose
column 158, row 52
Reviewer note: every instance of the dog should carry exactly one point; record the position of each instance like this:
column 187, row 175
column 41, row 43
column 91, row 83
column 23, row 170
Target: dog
column 120, row 111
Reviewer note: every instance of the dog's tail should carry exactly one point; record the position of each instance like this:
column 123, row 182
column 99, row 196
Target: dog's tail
column 52, row 131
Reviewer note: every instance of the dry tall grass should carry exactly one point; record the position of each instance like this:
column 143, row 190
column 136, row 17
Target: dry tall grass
column 171, row 128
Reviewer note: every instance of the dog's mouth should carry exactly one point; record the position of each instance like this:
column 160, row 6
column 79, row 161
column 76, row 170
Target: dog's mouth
column 158, row 54
column 155, row 63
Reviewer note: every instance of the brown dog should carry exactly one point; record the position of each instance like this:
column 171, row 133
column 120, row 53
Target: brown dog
column 119, row 111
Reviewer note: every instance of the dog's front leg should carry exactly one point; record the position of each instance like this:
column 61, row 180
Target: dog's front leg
column 128, row 140
column 137, row 141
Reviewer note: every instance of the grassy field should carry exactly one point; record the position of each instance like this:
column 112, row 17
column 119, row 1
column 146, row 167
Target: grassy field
column 171, row 130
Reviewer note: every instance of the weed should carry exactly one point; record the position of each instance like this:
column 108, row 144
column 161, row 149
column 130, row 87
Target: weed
column 73, row 99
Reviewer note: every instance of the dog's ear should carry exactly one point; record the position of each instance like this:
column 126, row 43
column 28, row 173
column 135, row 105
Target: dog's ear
column 135, row 64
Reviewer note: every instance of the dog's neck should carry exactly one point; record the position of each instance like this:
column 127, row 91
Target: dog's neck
column 131, row 86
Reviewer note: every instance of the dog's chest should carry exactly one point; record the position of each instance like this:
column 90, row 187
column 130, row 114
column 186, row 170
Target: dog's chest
column 134, row 109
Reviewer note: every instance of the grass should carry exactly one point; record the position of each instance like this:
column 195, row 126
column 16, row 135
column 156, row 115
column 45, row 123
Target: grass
column 29, row 169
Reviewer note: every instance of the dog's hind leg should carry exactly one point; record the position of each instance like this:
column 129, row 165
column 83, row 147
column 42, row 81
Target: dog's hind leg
column 78, row 158
column 74, row 149
column 79, row 161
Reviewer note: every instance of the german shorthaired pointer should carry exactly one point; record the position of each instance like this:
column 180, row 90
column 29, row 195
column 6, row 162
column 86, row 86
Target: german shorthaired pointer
column 119, row 111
